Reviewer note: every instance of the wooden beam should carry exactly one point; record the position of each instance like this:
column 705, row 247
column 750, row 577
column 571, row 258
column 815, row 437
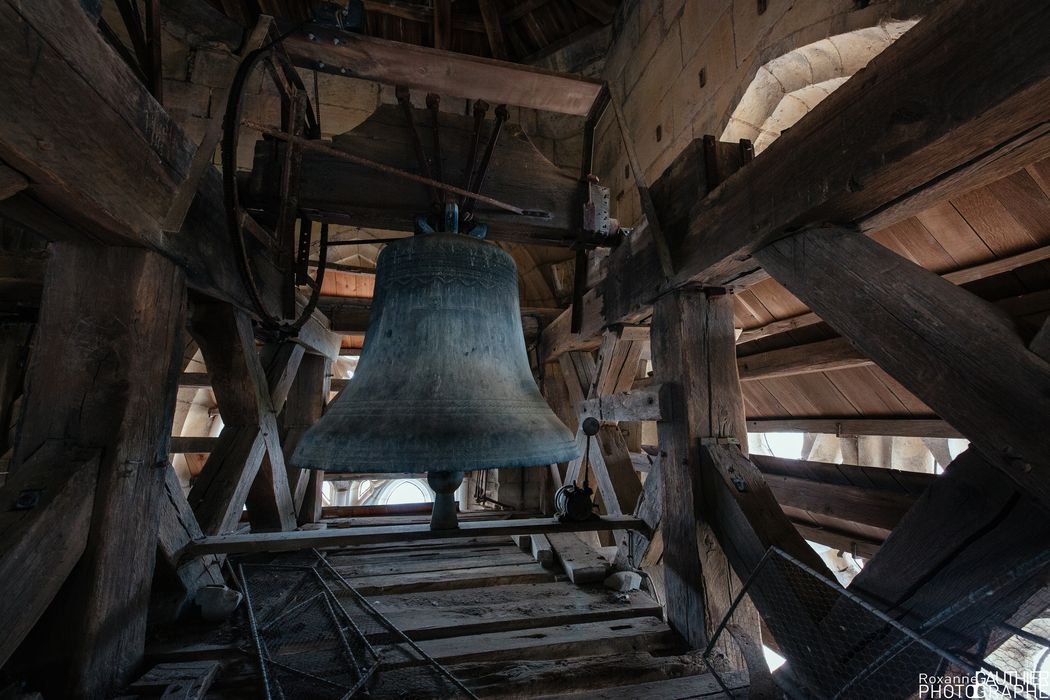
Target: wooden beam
column 97, row 107
column 960, row 277
column 639, row 404
column 1040, row 344
column 304, row 407
column 935, row 557
column 123, row 310
column 892, row 480
column 644, row 550
column 336, row 190
column 40, row 543
column 744, row 513
column 11, row 182
column 857, row 545
column 905, row 427
column 618, row 357
column 198, row 380
column 581, row 562
column 493, row 29
column 944, row 151
column 343, row 537
column 178, row 527
column 955, row 352
column 442, row 24
column 821, row 356
column 248, row 449
column 694, row 359
column 855, row 500
column 183, row 444
column 448, row 74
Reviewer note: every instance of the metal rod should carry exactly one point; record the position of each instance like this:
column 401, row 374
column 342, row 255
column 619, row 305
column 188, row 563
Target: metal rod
column 434, row 105
column 312, row 145
column 367, row 241
column 363, row 602
column 479, row 179
column 481, row 108
column 736, row 601
column 404, row 99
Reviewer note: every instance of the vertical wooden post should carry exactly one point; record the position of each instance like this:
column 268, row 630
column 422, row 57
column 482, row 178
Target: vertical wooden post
column 694, row 358
column 14, row 346
column 103, row 374
column 306, row 402
column 247, row 464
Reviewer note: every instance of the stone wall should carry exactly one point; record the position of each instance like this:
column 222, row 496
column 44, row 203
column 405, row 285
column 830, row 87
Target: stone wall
column 681, row 67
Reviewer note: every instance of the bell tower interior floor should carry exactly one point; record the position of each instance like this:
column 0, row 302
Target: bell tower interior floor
column 501, row 622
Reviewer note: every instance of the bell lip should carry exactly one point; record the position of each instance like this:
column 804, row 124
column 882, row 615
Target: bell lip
column 433, row 464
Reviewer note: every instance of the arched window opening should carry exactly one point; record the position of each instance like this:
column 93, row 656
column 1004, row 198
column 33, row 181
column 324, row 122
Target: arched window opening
column 787, row 88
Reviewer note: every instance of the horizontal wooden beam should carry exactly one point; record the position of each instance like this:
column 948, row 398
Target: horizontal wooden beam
column 342, row 537
column 638, row 404
column 958, row 354
column 963, row 276
column 912, row 142
column 949, row 146
column 194, row 380
column 904, row 427
column 855, row 544
column 867, row 506
column 192, row 445
column 446, row 73
column 822, row 356
column 894, row 480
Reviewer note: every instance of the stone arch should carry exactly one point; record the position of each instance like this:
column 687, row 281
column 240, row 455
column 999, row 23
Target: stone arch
column 788, row 87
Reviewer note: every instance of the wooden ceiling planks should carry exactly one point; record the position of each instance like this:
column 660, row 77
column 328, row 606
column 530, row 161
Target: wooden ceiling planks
column 954, row 233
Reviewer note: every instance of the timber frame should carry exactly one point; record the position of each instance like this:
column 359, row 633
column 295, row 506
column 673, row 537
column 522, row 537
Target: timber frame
column 137, row 285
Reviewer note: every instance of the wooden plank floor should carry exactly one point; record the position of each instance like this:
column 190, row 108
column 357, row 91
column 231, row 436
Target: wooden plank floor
column 499, row 621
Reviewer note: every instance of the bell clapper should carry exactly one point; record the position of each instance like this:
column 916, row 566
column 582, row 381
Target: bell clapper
column 444, row 483
column 572, row 503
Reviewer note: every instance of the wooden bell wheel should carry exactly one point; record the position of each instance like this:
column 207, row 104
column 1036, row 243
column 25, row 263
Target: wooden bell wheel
column 274, row 241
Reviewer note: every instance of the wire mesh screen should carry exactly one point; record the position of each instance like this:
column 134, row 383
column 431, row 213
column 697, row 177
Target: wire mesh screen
column 308, row 646
column 316, row 637
column 838, row 646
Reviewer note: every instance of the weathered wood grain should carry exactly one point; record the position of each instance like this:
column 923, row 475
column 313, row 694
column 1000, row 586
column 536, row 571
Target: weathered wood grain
column 304, row 539
column 177, row 528
column 461, row 612
column 952, row 350
column 121, row 311
column 581, row 563
column 694, row 359
column 821, row 356
column 639, row 404
column 907, row 427
column 935, row 558
column 610, row 637
column 40, row 545
column 246, row 464
column 450, row 74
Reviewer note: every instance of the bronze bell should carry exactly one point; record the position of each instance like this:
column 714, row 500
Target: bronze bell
column 443, row 384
